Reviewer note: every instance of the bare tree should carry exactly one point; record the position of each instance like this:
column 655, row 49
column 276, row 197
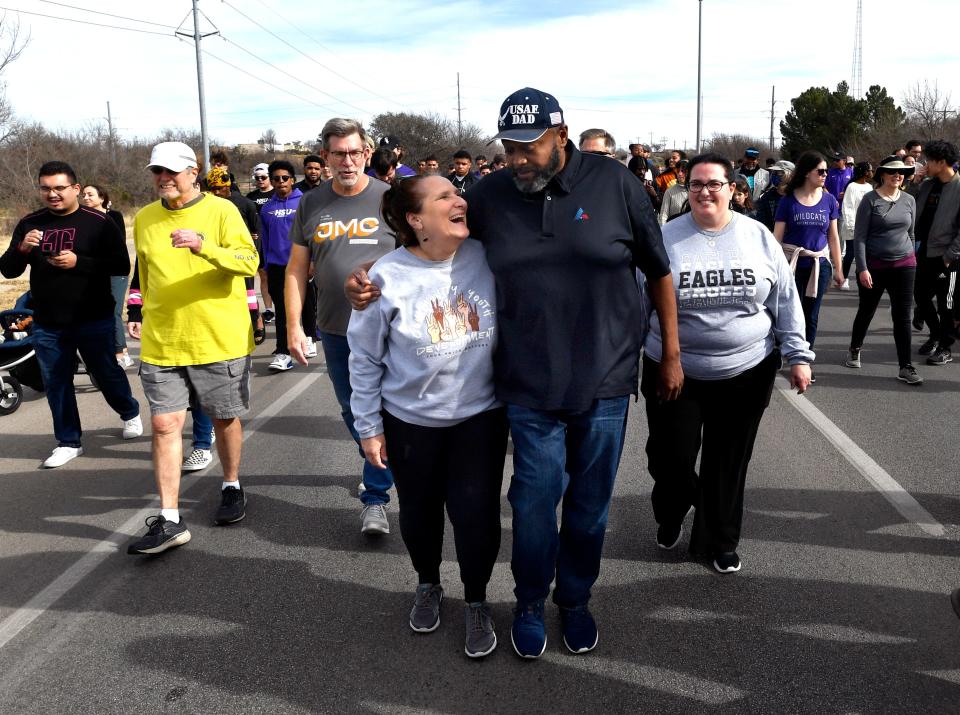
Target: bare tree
column 928, row 109
column 12, row 44
column 268, row 140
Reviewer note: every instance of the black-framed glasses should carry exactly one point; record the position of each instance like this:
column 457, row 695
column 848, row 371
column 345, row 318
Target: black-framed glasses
column 713, row 187
column 822, row 172
column 54, row 189
column 281, row 179
column 157, row 170
column 354, row 155
column 261, row 177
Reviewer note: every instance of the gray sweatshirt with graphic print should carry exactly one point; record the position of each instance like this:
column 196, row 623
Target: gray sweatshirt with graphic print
column 424, row 350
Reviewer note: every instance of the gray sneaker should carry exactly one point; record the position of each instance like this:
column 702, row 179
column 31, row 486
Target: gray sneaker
column 425, row 614
column 909, row 375
column 374, row 519
column 853, row 360
column 481, row 638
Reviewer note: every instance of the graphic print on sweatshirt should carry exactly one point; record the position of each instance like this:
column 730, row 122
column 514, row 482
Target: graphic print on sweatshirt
column 356, row 230
column 714, row 279
column 456, row 322
column 55, row 240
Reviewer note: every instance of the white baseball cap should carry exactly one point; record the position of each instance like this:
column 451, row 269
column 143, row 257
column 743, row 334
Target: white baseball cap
column 175, row 156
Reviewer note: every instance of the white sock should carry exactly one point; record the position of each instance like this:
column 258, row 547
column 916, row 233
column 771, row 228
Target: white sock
column 171, row 515
column 230, row 485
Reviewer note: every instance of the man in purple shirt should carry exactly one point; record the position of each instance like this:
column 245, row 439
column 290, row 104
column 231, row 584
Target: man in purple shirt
column 839, row 176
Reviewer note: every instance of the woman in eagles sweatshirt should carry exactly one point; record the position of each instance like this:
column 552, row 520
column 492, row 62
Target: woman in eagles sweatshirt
column 736, row 301
column 421, row 369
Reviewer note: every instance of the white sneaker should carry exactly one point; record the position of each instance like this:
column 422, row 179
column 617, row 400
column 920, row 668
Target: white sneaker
column 846, row 284
column 132, row 428
column 281, row 362
column 311, row 350
column 198, row 459
column 62, row 455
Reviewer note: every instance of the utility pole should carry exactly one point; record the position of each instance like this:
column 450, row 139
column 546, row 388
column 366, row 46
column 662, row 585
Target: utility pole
column 699, row 70
column 773, row 103
column 197, row 37
column 459, row 120
column 110, row 140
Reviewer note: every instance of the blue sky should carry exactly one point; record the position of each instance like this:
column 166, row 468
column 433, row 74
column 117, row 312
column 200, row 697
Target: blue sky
column 629, row 67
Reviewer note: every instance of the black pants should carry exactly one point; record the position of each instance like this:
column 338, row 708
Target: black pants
column 717, row 419
column 276, row 275
column 849, row 254
column 460, row 466
column 898, row 283
column 935, row 281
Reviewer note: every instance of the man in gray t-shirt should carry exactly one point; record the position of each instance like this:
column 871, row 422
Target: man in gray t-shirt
column 337, row 227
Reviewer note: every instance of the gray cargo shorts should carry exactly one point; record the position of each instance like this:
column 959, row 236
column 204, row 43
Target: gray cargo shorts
column 221, row 389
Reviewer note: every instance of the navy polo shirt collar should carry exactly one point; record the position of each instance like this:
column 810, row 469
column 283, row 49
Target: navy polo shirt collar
column 566, row 179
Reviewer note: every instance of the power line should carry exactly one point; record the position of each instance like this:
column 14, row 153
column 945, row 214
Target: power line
column 320, row 44
column 266, row 82
column 293, row 77
column 85, row 22
column 98, row 12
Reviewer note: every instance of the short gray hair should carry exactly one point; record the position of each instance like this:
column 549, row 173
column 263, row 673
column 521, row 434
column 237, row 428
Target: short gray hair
column 609, row 142
column 339, row 127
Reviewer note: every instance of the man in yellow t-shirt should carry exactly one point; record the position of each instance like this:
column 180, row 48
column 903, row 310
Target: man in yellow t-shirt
column 194, row 252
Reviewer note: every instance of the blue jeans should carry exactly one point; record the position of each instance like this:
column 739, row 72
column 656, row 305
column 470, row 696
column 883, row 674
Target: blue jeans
column 811, row 306
column 571, row 456
column 336, row 352
column 57, row 349
column 118, row 287
column 202, row 429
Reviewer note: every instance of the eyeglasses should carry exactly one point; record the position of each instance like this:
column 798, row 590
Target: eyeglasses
column 54, row 189
column 822, row 172
column 261, row 177
column 711, row 186
column 281, row 179
column 354, row 155
column 157, row 170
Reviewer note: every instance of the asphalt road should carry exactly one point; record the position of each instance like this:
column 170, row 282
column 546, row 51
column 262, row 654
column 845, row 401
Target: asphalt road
column 841, row 607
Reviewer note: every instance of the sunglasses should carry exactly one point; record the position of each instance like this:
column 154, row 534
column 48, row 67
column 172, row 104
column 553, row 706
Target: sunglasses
column 157, row 170
column 281, row 179
column 823, row 172
column 261, row 177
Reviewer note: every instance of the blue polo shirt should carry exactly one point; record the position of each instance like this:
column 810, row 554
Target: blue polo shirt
column 567, row 298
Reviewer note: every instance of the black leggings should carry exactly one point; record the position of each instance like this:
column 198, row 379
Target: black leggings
column 276, row 275
column 898, row 282
column 717, row 419
column 460, row 466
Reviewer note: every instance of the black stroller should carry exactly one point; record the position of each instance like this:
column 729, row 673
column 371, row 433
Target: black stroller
column 18, row 362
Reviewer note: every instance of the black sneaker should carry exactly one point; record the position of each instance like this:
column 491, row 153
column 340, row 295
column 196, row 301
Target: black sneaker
column 941, row 357
column 813, row 378
column 268, row 316
column 668, row 536
column 579, row 629
column 928, row 347
column 161, row 535
column 232, row 502
column 727, row 562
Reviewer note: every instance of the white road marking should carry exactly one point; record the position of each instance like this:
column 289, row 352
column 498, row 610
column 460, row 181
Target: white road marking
column 899, row 497
column 13, row 624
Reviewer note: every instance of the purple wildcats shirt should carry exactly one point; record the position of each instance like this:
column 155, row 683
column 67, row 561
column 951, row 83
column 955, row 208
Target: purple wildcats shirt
column 807, row 226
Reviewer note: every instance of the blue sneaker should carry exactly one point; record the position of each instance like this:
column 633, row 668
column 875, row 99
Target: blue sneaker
column 579, row 629
column 528, row 635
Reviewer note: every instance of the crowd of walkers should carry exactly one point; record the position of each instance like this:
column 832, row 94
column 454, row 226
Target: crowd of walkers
column 512, row 299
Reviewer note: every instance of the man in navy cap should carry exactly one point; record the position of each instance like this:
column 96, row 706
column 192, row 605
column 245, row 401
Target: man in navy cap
column 750, row 170
column 563, row 232
column 393, row 143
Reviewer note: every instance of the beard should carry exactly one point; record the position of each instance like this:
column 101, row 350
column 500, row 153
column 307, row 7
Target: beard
column 541, row 177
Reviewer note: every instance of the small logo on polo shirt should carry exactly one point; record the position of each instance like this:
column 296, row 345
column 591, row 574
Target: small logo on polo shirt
column 581, row 216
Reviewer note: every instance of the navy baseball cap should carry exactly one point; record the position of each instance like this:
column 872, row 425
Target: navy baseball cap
column 527, row 114
column 752, row 153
